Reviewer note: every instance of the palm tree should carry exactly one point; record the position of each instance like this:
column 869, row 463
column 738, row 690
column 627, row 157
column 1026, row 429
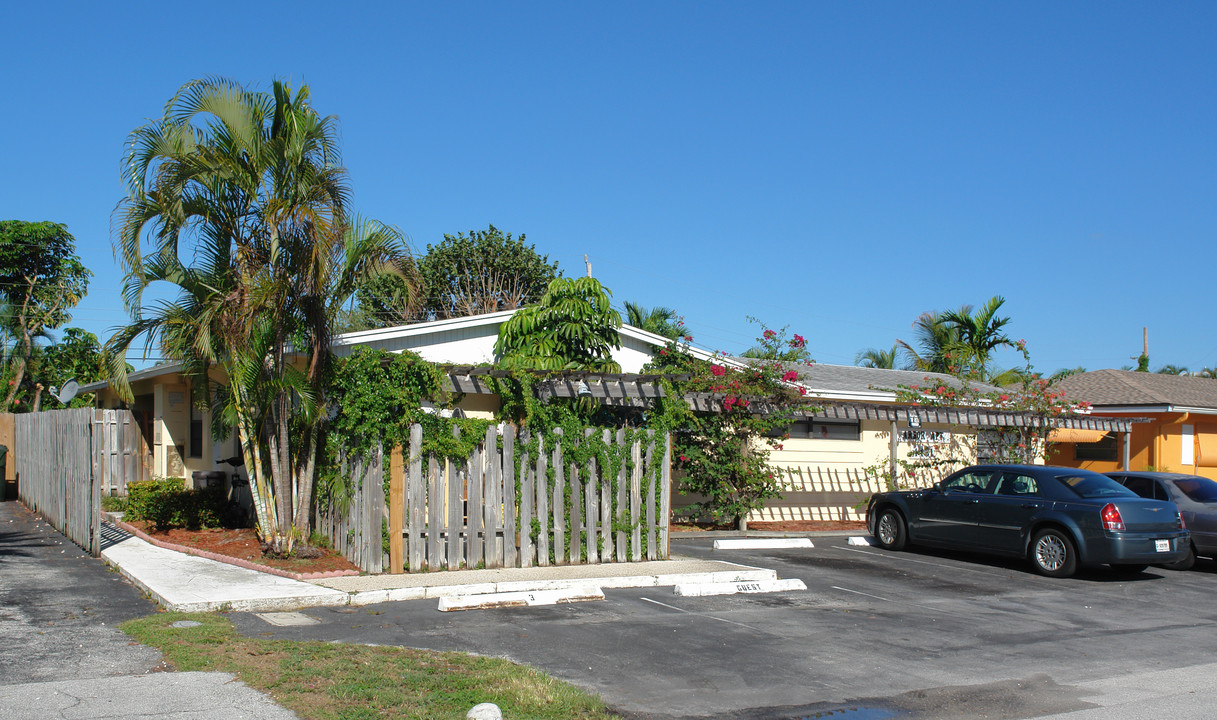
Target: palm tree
column 252, row 183
column 659, row 320
column 979, row 334
column 960, row 341
column 935, row 340
column 872, row 358
column 1172, row 370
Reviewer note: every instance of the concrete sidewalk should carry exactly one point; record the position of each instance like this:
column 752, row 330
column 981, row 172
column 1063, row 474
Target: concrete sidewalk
column 186, row 583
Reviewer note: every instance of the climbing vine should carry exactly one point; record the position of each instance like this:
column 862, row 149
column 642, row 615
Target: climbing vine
column 724, row 453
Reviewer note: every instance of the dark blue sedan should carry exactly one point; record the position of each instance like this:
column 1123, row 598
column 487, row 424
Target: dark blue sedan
column 1057, row 517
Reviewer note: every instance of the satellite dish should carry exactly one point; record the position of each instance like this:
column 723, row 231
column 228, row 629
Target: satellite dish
column 68, row 392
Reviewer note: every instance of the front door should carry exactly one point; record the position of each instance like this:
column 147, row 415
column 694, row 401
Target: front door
column 952, row 514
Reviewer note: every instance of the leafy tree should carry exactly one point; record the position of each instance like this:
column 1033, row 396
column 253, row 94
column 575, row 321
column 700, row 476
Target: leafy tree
column 236, row 199
column 387, row 299
column 483, row 272
column 659, row 320
column 41, row 279
column 77, row 356
column 573, row 328
column 773, row 345
column 872, row 358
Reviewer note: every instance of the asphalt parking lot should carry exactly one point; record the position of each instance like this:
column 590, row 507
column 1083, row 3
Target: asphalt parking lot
column 919, row 634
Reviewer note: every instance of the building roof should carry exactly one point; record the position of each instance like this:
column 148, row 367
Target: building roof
column 1110, row 389
column 849, row 382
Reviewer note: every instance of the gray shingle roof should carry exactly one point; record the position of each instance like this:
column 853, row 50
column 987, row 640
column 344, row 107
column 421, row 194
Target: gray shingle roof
column 1126, row 387
column 828, row 380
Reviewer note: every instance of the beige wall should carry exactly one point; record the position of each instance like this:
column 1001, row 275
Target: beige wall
column 829, row 480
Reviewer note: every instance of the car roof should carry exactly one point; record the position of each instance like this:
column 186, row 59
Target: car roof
column 1153, row 475
column 1054, row 469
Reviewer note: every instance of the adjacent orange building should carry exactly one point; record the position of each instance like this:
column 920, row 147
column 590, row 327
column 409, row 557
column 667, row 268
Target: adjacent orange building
column 1179, row 432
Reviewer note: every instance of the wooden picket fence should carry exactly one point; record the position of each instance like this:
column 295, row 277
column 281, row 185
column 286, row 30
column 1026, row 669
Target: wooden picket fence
column 353, row 526
column 66, row 459
column 506, row 505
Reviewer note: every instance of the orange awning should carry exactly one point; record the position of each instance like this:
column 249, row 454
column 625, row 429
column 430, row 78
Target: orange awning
column 1075, row 435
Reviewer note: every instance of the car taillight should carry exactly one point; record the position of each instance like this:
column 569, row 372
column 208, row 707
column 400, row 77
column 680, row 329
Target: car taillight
column 1182, row 524
column 1111, row 518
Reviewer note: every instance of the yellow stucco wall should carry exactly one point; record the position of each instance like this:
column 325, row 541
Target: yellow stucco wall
column 1157, row 445
column 827, row 479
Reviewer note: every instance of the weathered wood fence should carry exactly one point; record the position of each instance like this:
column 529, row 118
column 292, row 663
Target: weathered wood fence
column 354, row 527
column 66, row 459
column 513, row 502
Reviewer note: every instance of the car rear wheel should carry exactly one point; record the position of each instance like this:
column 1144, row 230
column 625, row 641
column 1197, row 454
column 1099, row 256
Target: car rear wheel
column 1053, row 554
column 1186, row 563
column 890, row 530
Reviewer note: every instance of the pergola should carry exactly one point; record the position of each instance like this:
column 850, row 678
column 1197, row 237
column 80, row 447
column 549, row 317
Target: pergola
column 639, row 390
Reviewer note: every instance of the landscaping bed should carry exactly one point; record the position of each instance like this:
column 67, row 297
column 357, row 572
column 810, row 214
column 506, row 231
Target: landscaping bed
column 242, row 544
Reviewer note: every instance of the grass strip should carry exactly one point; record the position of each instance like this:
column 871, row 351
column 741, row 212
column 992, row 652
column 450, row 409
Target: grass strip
column 338, row 681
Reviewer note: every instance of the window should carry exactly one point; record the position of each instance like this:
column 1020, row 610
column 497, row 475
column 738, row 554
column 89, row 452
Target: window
column 997, row 447
column 822, row 430
column 196, row 432
column 1091, row 486
column 1187, row 450
column 1199, row 489
column 971, row 482
column 1145, row 487
column 1104, row 449
column 1017, row 485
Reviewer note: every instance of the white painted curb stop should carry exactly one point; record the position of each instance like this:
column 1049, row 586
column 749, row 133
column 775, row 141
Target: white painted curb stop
column 520, row 599
column 761, row 543
column 701, row 589
column 861, row 540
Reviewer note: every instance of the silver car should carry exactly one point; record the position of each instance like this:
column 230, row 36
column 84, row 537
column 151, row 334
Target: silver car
column 1197, row 500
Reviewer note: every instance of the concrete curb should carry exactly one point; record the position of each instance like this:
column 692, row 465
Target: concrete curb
column 129, row 528
column 580, row 593
column 764, row 586
column 762, row 543
column 371, row 597
column 705, row 534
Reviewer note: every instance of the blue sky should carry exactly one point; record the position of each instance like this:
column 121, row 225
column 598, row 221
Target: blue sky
column 835, row 167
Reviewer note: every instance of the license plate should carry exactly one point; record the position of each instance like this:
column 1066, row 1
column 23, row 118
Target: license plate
column 1162, row 546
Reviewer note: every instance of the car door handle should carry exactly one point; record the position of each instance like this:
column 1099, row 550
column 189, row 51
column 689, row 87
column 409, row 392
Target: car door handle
column 1030, row 505
column 973, row 502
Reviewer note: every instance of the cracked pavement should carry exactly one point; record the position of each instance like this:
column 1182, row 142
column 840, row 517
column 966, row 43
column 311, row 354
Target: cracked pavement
column 63, row 656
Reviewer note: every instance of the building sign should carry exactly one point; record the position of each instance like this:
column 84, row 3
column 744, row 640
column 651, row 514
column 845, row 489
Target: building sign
column 925, row 437
column 922, row 443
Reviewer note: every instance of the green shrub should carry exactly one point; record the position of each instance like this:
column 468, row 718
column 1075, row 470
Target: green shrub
column 113, row 503
column 167, row 503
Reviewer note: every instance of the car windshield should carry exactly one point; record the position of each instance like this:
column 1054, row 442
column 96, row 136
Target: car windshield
column 1199, row 489
column 1094, row 485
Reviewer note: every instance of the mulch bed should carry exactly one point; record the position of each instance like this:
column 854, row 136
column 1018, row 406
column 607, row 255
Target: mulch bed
column 242, row 545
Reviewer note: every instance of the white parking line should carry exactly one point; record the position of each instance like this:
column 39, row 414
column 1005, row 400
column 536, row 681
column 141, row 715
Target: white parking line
column 687, row 612
column 859, row 592
column 908, row 558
